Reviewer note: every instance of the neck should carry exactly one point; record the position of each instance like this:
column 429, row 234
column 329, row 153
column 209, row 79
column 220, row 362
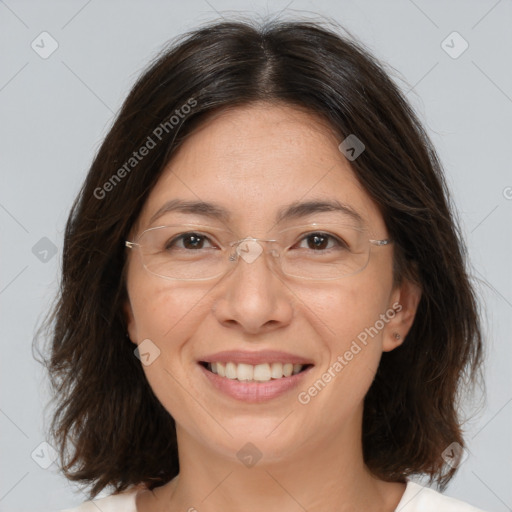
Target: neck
column 322, row 475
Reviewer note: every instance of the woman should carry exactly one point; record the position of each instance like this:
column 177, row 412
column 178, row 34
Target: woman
column 264, row 302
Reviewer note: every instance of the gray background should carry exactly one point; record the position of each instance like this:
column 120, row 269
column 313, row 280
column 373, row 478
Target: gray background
column 55, row 112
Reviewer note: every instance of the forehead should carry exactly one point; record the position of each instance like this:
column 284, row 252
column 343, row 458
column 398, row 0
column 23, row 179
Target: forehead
column 255, row 159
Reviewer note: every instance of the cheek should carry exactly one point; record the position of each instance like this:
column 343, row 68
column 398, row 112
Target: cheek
column 346, row 311
column 351, row 333
column 167, row 314
column 160, row 306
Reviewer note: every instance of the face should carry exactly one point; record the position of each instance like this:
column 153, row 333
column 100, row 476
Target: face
column 252, row 162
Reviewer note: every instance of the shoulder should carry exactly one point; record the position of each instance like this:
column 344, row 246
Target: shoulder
column 418, row 499
column 122, row 502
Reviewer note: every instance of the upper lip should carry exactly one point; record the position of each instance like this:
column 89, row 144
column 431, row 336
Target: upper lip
column 253, row 358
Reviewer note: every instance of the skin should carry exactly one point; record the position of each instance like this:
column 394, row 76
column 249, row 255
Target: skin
column 253, row 160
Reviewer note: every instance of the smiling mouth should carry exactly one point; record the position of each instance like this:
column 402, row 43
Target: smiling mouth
column 264, row 372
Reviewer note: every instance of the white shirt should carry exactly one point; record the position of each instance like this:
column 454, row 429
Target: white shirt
column 416, row 498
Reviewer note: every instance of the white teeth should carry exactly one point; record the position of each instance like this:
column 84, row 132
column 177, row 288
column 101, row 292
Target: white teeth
column 260, row 372
column 244, row 371
column 297, row 368
column 231, row 371
column 277, row 370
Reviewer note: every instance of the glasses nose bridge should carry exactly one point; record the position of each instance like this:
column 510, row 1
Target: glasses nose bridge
column 250, row 249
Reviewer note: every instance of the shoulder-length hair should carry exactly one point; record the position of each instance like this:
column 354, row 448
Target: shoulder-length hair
column 108, row 426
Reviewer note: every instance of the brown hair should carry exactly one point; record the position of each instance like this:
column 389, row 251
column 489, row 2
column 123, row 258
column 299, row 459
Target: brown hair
column 108, row 426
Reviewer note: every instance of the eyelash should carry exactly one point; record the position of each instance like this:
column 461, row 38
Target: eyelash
column 338, row 241
column 173, row 241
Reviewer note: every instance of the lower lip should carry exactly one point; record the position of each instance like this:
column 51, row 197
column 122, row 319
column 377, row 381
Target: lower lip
column 254, row 392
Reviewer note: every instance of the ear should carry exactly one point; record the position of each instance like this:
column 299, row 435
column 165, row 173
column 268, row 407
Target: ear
column 130, row 321
column 404, row 302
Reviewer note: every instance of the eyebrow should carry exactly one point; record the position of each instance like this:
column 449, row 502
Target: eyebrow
column 299, row 209
column 201, row 208
column 295, row 210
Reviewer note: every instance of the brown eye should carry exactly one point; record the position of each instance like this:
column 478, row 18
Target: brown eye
column 190, row 241
column 321, row 242
column 317, row 241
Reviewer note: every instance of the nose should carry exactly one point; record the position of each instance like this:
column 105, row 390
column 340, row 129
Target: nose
column 253, row 297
